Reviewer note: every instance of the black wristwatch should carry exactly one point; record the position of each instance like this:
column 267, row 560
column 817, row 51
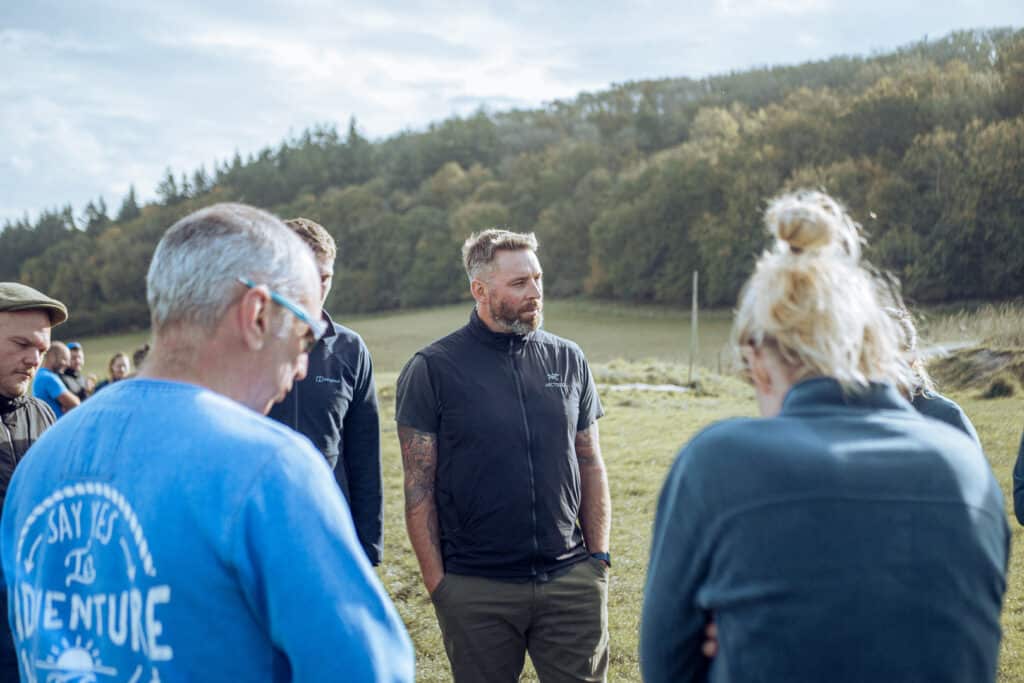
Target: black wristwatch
column 604, row 557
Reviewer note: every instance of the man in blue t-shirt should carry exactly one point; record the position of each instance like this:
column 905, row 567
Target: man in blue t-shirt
column 167, row 530
column 48, row 385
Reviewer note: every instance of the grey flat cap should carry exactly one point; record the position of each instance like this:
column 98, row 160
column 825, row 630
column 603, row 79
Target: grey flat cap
column 15, row 296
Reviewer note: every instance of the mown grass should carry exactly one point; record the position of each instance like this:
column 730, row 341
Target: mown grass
column 605, row 330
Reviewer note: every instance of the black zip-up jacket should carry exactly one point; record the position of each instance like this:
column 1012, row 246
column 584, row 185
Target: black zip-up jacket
column 74, row 380
column 22, row 421
column 335, row 407
column 505, row 410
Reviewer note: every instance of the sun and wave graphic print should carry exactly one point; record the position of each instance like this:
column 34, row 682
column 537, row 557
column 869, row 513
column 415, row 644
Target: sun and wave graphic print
column 87, row 599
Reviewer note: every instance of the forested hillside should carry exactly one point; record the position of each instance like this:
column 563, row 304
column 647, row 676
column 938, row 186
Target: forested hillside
column 629, row 190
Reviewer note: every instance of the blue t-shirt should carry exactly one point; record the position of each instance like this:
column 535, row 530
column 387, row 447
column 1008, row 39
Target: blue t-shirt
column 47, row 387
column 847, row 539
column 165, row 532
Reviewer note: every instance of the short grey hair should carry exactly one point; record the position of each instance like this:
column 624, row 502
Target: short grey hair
column 479, row 248
column 193, row 277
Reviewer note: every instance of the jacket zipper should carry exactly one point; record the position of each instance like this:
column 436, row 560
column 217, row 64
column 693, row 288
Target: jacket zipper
column 529, row 456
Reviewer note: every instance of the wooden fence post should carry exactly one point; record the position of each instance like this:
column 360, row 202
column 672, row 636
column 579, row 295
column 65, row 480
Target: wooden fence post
column 693, row 329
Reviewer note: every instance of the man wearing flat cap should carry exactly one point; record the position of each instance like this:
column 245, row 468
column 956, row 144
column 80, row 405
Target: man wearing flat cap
column 26, row 317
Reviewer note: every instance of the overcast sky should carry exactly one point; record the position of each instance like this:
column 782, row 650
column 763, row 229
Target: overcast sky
column 97, row 95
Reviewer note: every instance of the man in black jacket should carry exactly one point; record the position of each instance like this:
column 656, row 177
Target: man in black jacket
column 26, row 317
column 507, row 503
column 72, row 375
column 335, row 406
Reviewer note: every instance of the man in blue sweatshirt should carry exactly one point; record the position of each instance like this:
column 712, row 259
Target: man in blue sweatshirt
column 168, row 530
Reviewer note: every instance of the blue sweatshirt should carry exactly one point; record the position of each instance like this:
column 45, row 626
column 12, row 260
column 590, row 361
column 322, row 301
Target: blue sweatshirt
column 165, row 532
column 847, row 539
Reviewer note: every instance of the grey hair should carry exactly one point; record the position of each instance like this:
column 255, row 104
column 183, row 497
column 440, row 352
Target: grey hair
column 479, row 248
column 193, row 277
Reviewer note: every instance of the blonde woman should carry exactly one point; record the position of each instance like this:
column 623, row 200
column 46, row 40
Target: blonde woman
column 118, row 368
column 842, row 536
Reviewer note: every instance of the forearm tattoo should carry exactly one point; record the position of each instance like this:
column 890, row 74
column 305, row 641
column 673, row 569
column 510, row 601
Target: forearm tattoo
column 419, row 460
column 588, row 447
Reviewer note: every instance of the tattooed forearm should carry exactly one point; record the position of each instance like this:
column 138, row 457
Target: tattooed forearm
column 588, row 447
column 419, row 460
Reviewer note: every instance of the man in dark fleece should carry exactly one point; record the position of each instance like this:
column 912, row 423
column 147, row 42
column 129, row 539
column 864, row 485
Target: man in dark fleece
column 335, row 406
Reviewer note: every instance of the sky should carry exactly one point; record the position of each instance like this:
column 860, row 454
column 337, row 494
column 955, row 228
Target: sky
column 100, row 95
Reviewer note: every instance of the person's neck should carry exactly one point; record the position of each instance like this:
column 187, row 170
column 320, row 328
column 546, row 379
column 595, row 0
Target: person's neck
column 211, row 364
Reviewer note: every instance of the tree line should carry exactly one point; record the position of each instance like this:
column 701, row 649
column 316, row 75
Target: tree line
column 629, row 190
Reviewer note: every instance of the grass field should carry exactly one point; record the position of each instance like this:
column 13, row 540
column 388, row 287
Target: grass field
column 606, row 332
column 640, row 435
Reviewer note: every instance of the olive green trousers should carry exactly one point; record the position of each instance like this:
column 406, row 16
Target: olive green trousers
column 489, row 625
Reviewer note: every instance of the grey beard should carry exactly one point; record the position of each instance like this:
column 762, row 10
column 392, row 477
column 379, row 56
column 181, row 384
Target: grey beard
column 515, row 325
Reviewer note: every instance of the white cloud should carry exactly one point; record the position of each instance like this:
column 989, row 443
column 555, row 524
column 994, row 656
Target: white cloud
column 758, row 8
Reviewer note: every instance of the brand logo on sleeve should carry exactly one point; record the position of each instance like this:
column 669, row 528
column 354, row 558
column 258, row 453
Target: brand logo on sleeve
column 87, row 602
column 320, row 379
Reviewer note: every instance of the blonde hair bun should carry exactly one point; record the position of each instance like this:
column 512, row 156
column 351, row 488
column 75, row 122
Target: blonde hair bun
column 808, row 221
column 815, row 304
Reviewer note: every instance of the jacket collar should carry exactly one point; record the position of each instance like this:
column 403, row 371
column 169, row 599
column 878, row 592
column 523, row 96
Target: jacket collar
column 824, row 392
column 496, row 340
column 331, row 331
column 9, row 405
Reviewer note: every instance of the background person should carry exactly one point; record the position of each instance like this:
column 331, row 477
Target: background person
column 118, row 369
column 26, row 318
column 139, row 356
column 843, row 536
column 72, row 375
column 335, row 406
column 507, row 503
column 48, row 385
column 209, row 539
column 1018, row 483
